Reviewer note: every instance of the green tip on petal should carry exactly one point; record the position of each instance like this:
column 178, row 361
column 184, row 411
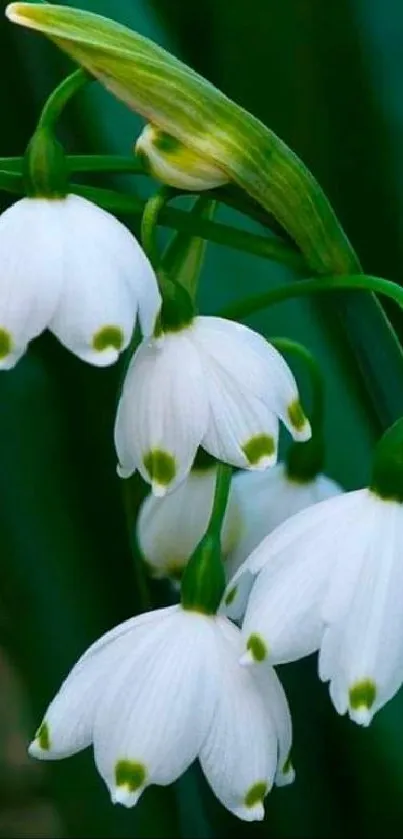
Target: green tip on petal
column 288, row 767
column 161, row 467
column 108, row 337
column 257, row 647
column 230, row 597
column 130, row 774
column 259, row 448
column 42, row 737
column 296, row 416
column 256, row 794
column 362, row 695
column 6, row 343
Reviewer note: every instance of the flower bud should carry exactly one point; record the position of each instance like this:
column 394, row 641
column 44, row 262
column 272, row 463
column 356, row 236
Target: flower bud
column 170, row 161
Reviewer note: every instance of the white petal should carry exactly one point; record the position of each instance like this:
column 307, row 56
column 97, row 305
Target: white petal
column 70, row 716
column 30, row 273
column 362, row 651
column 277, row 708
column 272, row 550
column 239, row 755
column 284, row 612
column 241, row 429
column 254, row 365
column 105, row 276
column 170, row 528
column 162, row 413
column 156, row 711
column 268, row 498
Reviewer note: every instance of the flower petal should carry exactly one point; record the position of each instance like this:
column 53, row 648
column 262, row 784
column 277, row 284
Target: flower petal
column 239, row 755
column 362, row 651
column 241, row 430
column 147, row 729
column 67, row 724
column 255, row 367
column 162, row 413
column 283, row 618
column 268, row 498
column 105, row 273
column 31, row 273
column 170, row 528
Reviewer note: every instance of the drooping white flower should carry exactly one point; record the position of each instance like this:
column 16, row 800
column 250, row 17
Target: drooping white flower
column 268, row 498
column 175, row 164
column 69, row 266
column 170, row 528
column 161, row 690
column 331, row 579
column 213, row 383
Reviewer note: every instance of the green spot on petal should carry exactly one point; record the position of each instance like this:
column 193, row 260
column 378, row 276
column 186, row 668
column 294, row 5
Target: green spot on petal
column 130, row 774
column 108, row 336
column 259, row 447
column 6, row 343
column 257, row 647
column 362, row 694
column 165, row 142
column 256, row 794
column 160, row 466
column 296, row 415
column 230, row 597
column 43, row 737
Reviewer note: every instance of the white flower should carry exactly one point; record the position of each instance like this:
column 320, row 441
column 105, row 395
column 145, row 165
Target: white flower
column 175, row 164
column 214, row 383
column 69, row 266
column 170, row 528
column 161, row 690
column 331, row 578
column 268, row 498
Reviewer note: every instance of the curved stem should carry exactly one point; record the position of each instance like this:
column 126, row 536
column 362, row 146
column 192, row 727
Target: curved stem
column 149, row 223
column 60, row 96
column 221, row 493
column 302, row 288
column 315, row 374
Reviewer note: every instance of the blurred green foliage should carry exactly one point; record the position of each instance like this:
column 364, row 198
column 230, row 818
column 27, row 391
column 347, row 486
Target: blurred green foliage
column 326, row 77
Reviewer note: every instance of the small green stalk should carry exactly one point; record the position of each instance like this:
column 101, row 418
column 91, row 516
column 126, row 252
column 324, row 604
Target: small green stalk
column 177, row 310
column 387, row 465
column 203, row 582
column 45, row 169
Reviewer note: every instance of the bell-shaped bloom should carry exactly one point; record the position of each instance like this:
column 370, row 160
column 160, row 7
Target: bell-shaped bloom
column 170, row 528
column 68, row 266
column 330, row 579
column 163, row 689
column 266, row 499
column 214, row 383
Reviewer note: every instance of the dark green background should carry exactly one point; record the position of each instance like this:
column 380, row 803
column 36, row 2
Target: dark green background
column 326, row 76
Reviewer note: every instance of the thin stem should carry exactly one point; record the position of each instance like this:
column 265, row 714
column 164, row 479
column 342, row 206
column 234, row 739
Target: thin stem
column 221, row 493
column 60, row 96
column 149, row 223
column 302, row 288
column 315, row 374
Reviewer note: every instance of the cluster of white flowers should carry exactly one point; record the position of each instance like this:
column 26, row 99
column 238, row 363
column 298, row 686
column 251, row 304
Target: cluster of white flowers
column 309, row 568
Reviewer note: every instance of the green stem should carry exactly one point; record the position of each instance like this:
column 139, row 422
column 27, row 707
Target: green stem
column 315, row 374
column 149, row 223
column 60, row 96
column 221, row 493
column 302, row 288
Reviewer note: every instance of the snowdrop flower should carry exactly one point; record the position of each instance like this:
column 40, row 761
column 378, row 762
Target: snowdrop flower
column 161, row 690
column 331, row 578
column 212, row 383
column 170, row 528
column 266, row 499
column 69, row 266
